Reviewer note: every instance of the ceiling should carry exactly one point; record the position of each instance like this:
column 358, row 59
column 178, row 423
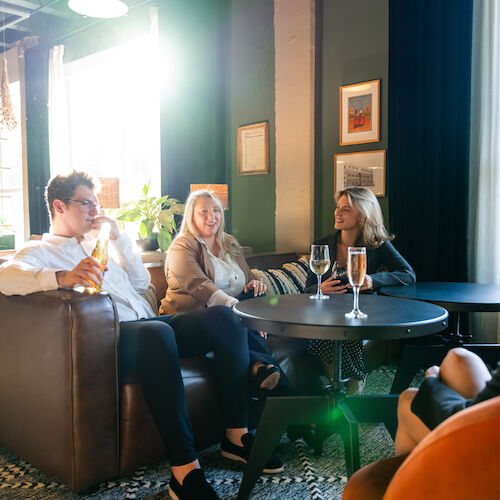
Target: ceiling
column 47, row 19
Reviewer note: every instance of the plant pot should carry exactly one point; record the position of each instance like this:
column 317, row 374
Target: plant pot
column 7, row 242
column 148, row 244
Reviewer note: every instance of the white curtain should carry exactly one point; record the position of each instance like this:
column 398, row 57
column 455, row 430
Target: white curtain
column 58, row 114
column 484, row 221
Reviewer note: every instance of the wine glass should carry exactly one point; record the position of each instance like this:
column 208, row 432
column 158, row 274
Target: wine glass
column 356, row 270
column 339, row 273
column 319, row 264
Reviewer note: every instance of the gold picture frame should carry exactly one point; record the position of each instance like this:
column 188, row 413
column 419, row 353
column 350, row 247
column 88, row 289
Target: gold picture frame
column 253, row 149
column 360, row 113
column 366, row 168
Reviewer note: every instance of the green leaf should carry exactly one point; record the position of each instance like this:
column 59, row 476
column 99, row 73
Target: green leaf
column 130, row 215
column 166, row 218
column 143, row 230
column 145, row 189
column 178, row 209
column 170, row 201
column 164, row 239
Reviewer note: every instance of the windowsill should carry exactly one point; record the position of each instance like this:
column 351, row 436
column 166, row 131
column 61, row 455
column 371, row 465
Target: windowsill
column 153, row 259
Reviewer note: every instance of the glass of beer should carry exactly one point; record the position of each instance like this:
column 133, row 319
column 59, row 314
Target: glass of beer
column 319, row 264
column 356, row 271
column 100, row 253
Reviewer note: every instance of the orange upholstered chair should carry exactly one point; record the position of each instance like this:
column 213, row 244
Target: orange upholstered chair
column 459, row 460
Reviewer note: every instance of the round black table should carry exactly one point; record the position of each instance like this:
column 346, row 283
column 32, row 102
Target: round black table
column 457, row 298
column 300, row 316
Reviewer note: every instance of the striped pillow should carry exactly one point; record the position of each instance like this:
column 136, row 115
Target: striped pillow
column 288, row 280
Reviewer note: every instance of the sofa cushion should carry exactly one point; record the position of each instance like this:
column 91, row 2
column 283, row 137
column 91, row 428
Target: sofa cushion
column 290, row 278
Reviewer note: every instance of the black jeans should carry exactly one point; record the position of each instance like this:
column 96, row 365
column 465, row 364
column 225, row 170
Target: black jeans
column 259, row 352
column 152, row 348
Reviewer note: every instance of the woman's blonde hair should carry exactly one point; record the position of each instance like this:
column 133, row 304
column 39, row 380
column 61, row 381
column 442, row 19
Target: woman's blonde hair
column 225, row 241
column 373, row 231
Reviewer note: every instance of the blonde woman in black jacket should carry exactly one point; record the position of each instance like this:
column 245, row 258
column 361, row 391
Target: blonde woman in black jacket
column 358, row 222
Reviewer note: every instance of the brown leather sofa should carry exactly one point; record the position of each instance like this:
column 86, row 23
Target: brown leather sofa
column 62, row 408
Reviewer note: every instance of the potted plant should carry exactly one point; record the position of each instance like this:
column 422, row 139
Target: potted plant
column 7, row 238
column 157, row 219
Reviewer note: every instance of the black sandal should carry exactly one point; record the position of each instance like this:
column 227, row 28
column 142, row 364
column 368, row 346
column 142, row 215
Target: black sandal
column 267, row 377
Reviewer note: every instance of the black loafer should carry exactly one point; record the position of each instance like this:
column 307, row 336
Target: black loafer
column 242, row 453
column 267, row 377
column 194, row 487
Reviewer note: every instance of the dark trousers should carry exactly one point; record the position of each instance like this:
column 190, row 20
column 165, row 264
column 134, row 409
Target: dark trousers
column 152, row 347
column 259, row 352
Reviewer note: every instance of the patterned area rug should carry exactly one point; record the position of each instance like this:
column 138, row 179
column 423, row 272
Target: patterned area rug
column 305, row 476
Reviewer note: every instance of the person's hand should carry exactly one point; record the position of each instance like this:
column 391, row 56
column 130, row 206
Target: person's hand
column 259, row 287
column 86, row 273
column 332, row 285
column 263, row 335
column 114, row 230
column 433, row 371
column 367, row 283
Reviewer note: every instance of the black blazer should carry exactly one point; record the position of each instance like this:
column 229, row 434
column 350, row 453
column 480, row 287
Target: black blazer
column 384, row 264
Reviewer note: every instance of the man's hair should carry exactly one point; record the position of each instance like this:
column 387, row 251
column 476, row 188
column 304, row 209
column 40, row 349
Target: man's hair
column 63, row 187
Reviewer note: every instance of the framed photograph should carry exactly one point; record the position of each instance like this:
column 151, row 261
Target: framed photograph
column 253, row 149
column 360, row 113
column 365, row 169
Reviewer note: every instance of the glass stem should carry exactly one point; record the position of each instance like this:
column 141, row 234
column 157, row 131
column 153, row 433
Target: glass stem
column 356, row 298
column 318, row 293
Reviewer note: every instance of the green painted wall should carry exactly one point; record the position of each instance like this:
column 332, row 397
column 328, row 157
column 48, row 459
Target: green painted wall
column 355, row 48
column 251, row 99
column 193, row 111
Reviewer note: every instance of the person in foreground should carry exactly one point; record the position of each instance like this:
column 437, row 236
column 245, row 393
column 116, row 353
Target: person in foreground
column 148, row 345
column 358, row 222
column 461, row 381
column 205, row 267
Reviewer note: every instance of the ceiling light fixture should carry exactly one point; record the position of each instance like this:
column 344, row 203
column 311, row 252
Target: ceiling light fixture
column 98, row 8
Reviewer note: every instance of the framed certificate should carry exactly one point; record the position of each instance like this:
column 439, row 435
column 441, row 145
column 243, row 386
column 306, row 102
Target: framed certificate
column 253, row 149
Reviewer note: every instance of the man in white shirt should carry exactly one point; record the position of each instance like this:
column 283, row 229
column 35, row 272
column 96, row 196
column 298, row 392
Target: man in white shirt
column 148, row 345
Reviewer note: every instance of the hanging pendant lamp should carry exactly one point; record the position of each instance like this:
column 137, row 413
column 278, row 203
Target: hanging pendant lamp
column 98, row 8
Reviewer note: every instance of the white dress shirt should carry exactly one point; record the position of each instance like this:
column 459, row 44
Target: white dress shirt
column 228, row 277
column 33, row 269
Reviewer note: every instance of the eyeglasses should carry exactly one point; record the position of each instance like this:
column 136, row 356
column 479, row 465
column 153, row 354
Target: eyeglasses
column 86, row 204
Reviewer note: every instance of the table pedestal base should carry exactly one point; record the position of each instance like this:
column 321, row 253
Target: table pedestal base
column 346, row 412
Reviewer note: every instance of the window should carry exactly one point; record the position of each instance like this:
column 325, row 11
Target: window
column 110, row 124
column 114, row 115
column 13, row 216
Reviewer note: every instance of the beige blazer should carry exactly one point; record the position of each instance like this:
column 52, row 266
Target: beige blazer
column 190, row 273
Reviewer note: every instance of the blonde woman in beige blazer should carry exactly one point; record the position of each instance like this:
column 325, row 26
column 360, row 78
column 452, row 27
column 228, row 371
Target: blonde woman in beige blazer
column 205, row 267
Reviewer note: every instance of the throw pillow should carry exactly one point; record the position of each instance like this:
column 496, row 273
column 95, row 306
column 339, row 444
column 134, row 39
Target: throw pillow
column 289, row 279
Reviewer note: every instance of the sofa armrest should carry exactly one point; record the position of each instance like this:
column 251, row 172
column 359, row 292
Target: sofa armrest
column 59, row 384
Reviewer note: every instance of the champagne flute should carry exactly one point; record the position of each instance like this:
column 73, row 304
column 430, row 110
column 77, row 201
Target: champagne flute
column 356, row 270
column 319, row 264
